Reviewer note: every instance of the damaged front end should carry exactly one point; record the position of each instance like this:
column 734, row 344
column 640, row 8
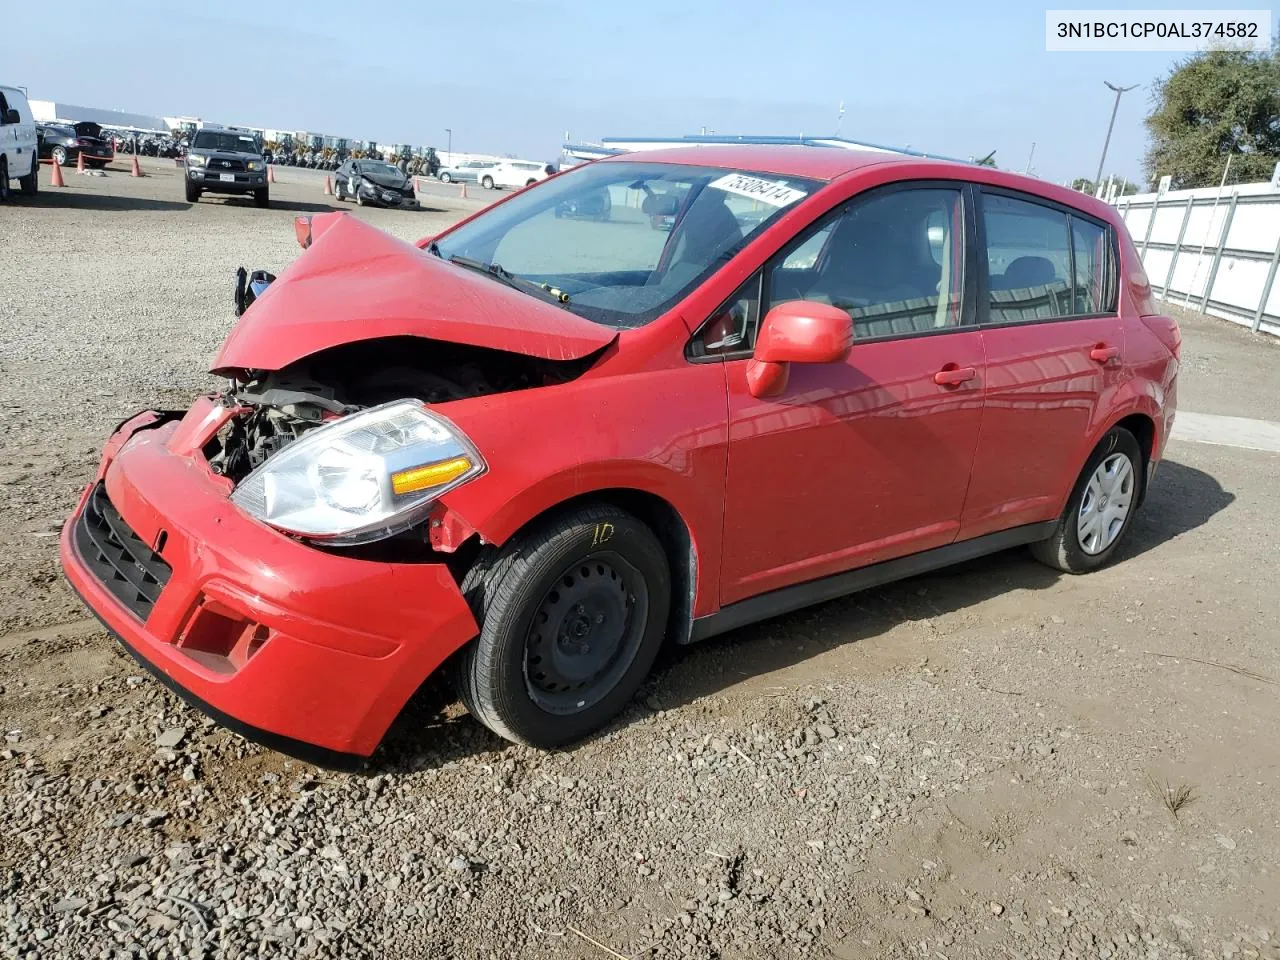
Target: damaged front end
column 349, row 447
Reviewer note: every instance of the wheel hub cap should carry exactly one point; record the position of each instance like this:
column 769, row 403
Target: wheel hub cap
column 1105, row 506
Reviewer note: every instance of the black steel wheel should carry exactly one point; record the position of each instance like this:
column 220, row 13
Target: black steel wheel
column 572, row 613
column 585, row 633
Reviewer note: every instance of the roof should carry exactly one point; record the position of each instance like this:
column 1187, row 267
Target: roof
column 782, row 160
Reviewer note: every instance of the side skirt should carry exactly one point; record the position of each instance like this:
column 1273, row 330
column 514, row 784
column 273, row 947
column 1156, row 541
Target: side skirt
column 777, row 602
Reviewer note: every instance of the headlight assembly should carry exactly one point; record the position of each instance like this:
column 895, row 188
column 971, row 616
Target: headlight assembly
column 254, row 165
column 364, row 477
column 195, row 159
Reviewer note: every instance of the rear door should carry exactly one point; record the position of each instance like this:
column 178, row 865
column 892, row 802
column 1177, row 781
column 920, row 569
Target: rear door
column 869, row 459
column 1054, row 346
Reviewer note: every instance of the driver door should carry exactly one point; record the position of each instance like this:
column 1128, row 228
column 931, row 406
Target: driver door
column 869, row 459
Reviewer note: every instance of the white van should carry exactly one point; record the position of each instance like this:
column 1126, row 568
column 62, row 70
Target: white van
column 19, row 159
column 516, row 173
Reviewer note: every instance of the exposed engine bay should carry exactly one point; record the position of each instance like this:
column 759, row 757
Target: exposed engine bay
column 282, row 405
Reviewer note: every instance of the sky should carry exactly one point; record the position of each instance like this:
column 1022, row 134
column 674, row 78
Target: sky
column 513, row 76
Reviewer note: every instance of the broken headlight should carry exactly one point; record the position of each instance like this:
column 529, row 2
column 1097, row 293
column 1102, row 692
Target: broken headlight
column 361, row 478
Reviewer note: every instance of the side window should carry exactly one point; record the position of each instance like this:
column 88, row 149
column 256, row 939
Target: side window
column 894, row 261
column 1028, row 259
column 4, row 109
column 1089, row 247
column 732, row 329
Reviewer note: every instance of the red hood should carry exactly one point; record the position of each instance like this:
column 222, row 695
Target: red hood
column 358, row 283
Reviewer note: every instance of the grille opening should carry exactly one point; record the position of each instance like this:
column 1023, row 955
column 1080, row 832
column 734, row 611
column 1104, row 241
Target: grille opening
column 129, row 569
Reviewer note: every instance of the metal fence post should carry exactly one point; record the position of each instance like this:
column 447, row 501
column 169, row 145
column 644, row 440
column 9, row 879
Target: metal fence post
column 1155, row 205
column 1266, row 287
column 1177, row 248
column 1217, row 256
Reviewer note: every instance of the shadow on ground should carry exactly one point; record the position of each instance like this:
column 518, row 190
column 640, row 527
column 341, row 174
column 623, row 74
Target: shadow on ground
column 432, row 730
column 277, row 203
column 1181, row 499
column 54, row 197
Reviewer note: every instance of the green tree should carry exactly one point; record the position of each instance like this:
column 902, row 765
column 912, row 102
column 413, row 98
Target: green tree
column 1213, row 105
column 1123, row 187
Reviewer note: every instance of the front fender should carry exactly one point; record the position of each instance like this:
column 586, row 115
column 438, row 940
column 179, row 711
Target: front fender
column 659, row 432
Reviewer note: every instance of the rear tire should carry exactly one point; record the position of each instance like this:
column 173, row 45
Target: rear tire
column 193, row 193
column 1100, row 509
column 572, row 614
column 4, row 179
column 262, row 198
column 31, row 182
column 487, row 183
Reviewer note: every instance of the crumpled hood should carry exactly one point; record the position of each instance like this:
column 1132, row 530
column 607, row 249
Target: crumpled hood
column 396, row 181
column 356, row 282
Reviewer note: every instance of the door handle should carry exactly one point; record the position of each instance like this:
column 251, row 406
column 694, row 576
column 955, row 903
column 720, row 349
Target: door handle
column 952, row 375
column 1103, row 353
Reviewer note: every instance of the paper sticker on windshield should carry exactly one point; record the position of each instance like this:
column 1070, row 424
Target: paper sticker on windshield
column 773, row 192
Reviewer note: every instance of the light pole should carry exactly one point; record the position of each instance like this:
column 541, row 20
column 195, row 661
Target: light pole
column 1106, row 143
column 449, row 149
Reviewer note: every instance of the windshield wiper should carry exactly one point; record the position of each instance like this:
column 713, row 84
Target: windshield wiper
column 503, row 275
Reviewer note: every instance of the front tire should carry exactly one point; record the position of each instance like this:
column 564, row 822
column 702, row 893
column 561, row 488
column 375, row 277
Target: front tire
column 4, row 179
column 445, row 178
column 193, row 193
column 31, row 182
column 262, row 198
column 571, row 616
column 59, row 155
column 1100, row 509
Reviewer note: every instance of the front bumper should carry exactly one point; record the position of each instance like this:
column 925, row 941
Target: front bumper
column 244, row 182
column 379, row 197
column 311, row 652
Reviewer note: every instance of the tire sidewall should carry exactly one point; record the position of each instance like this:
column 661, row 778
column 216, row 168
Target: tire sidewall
column 4, row 179
column 507, row 628
column 1116, row 440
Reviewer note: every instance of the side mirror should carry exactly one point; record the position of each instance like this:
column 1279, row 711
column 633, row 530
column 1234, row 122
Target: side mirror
column 799, row 331
column 12, row 116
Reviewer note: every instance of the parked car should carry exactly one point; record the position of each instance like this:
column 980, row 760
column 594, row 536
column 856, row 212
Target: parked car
column 515, row 173
column 374, row 182
column 469, row 171
column 18, row 144
column 226, row 161
column 63, row 143
column 450, row 457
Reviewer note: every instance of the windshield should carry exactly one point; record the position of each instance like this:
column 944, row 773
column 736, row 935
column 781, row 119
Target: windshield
column 622, row 242
column 229, row 142
column 382, row 169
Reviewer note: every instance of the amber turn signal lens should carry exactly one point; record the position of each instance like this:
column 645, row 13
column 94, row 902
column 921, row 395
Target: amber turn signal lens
column 429, row 475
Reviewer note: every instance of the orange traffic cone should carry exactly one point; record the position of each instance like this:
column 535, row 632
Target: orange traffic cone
column 137, row 170
column 463, row 192
column 271, row 174
column 328, row 186
column 56, row 180
column 80, row 163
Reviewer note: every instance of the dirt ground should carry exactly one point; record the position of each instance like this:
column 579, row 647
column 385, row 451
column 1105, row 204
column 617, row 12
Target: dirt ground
column 992, row 761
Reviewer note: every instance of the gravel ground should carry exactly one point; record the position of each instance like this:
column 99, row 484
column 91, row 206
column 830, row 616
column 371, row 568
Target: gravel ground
column 970, row 764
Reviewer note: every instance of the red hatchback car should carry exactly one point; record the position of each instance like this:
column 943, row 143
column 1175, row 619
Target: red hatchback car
column 531, row 448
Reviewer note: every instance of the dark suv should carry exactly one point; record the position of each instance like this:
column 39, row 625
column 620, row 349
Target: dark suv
column 226, row 161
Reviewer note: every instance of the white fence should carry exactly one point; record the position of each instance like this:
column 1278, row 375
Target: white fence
column 1213, row 251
